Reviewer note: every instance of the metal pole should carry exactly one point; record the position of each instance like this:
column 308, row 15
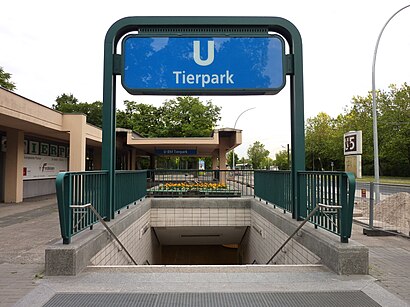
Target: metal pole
column 288, row 158
column 371, row 205
column 375, row 136
column 234, row 126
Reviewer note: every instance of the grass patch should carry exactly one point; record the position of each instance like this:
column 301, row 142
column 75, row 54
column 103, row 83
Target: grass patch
column 386, row 179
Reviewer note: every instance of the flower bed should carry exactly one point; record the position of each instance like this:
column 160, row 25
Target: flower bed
column 188, row 186
column 195, row 189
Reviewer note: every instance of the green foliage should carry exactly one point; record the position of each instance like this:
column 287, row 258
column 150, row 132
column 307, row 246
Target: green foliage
column 142, row 118
column 267, row 163
column 324, row 135
column 67, row 103
column 324, row 142
column 5, row 80
column 257, row 154
column 188, row 117
column 229, row 158
column 281, row 160
column 180, row 117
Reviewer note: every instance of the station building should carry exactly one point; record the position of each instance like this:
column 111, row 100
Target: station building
column 37, row 142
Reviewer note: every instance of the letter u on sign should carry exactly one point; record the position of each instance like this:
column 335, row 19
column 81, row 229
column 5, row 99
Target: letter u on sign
column 197, row 53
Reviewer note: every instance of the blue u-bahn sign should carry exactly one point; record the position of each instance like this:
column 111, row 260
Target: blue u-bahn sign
column 203, row 65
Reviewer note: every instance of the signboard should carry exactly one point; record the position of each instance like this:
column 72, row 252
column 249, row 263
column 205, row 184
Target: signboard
column 353, row 143
column 201, row 165
column 42, row 167
column 203, row 65
column 176, row 152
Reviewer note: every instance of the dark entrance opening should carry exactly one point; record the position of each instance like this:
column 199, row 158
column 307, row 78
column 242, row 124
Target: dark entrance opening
column 199, row 255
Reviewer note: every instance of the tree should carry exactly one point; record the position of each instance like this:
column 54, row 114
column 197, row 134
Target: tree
column 229, row 158
column 394, row 127
column 324, row 142
column 281, row 160
column 188, row 117
column 142, row 118
column 5, row 80
column 180, row 117
column 267, row 163
column 67, row 103
column 324, row 135
column 257, row 153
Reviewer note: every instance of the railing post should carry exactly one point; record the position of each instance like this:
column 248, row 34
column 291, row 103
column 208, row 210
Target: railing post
column 302, row 202
column 371, row 205
column 63, row 189
column 344, row 213
column 347, row 194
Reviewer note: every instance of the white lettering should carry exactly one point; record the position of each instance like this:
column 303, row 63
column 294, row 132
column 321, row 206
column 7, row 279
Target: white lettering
column 181, row 77
column 190, row 79
column 205, row 79
column 177, row 73
column 229, row 77
column 197, row 55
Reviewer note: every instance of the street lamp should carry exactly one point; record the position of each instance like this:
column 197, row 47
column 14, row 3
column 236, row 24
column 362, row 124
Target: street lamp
column 234, row 126
column 375, row 137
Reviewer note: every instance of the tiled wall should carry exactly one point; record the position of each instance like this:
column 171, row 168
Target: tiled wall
column 138, row 239
column 174, row 217
column 263, row 239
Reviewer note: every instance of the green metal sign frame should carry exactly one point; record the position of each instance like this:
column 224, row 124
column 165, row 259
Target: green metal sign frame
column 189, row 26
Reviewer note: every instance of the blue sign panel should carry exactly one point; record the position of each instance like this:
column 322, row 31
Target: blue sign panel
column 217, row 65
column 176, row 152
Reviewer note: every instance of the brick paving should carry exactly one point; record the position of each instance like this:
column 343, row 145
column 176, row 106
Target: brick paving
column 389, row 259
column 26, row 229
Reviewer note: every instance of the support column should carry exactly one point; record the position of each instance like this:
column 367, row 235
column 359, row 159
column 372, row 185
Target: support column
column 215, row 161
column 222, row 165
column 13, row 186
column 76, row 125
column 133, row 159
column 129, row 160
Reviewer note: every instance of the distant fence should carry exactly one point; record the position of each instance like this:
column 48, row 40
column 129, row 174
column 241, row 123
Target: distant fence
column 384, row 207
column 200, row 183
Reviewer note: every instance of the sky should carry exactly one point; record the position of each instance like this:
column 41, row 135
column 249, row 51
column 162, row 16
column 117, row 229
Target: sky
column 54, row 47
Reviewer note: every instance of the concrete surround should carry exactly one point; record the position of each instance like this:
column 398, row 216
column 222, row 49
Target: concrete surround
column 95, row 247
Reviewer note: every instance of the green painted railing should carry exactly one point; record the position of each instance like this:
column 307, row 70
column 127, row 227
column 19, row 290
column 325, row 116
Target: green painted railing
column 334, row 189
column 275, row 187
column 80, row 188
column 130, row 187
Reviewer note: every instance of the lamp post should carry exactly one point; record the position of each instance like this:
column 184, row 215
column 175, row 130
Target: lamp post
column 234, row 126
column 374, row 106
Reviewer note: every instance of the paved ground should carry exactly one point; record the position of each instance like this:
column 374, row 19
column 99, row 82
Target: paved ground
column 25, row 230
column 389, row 261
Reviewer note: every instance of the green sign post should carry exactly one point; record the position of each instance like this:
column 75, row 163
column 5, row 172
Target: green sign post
column 207, row 69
